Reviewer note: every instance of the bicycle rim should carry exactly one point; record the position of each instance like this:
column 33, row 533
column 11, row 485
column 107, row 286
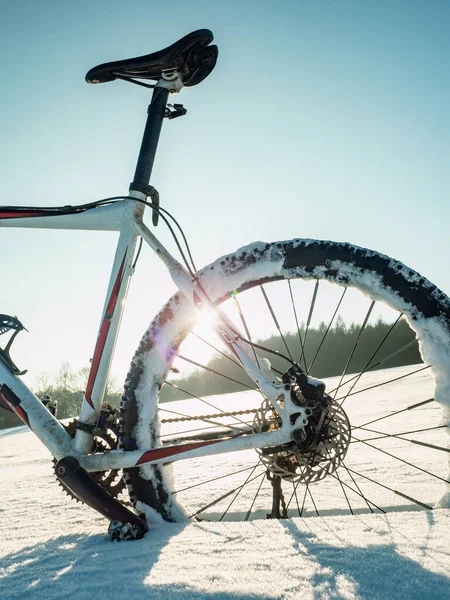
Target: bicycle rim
column 374, row 331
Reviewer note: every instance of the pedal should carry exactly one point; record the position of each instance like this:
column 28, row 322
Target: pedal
column 80, row 484
column 7, row 324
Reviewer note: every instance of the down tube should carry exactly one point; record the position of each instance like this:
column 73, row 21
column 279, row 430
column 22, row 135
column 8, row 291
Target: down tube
column 18, row 398
column 109, row 328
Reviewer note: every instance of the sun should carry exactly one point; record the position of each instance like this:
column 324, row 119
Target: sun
column 208, row 317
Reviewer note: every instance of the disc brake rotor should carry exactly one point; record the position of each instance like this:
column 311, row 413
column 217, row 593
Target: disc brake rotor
column 321, row 454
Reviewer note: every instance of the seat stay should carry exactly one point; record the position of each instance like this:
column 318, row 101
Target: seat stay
column 225, row 329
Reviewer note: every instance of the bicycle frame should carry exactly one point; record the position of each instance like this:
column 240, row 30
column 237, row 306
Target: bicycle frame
column 126, row 217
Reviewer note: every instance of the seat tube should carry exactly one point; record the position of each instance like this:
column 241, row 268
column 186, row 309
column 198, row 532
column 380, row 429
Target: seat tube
column 150, row 139
column 121, row 273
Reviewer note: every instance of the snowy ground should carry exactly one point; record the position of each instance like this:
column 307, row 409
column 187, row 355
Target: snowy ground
column 51, row 547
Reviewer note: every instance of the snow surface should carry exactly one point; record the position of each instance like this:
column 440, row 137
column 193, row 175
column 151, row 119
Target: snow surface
column 52, row 547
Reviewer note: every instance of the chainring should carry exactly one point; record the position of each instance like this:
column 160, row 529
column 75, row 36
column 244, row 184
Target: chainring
column 104, row 440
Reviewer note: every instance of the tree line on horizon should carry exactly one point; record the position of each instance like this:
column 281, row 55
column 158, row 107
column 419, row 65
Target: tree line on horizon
column 67, row 387
column 336, row 347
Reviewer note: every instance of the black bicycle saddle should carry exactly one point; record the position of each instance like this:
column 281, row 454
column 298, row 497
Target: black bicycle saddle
column 192, row 57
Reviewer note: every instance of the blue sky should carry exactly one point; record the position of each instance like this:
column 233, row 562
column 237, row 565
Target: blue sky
column 325, row 119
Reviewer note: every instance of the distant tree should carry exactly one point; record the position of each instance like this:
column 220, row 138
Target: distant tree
column 379, row 346
column 67, row 387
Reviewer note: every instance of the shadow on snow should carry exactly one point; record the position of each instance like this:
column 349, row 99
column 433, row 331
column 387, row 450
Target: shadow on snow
column 85, row 567
column 91, row 566
column 374, row 572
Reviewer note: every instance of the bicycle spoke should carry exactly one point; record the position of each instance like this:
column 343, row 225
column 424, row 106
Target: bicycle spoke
column 378, row 364
column 397, row 412
column 327, row 331
column 304, row 500
column 240, row 489
column 382, row 435
column 196, row 364
column 426, row 445
column 312, row 499
column 244, row 323
column 294, row 494
column 247, row 516
column 302, row 350
column 296, row 498
column 359, row 493
column 277, row 325
column 190, row 487
column 224, row 354
column 302, row 472
column 397, row 492
column 367, row 367
column 223, row 496
column 372, row 387
column 403, row 461
column 363, row 326
column 343, row 491
column 307, row 490
column 308, row 322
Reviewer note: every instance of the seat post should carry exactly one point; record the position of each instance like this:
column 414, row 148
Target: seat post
column 155, row 115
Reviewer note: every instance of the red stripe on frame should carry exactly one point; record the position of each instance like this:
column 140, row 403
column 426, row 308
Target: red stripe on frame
column 17, row 409
column 103, row 334
column 165, row 452
column 21, row 214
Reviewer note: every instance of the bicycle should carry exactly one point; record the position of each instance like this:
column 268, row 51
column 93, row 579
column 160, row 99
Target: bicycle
column 292, row 430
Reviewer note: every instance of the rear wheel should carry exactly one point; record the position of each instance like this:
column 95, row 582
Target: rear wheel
column 374, row 331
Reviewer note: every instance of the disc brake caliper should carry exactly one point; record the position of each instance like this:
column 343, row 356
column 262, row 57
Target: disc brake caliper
column 307, row 392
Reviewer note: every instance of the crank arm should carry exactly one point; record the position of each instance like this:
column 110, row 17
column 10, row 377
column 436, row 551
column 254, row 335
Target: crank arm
column 78, row 483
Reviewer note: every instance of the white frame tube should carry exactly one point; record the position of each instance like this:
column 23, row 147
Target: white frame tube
column 126, row 217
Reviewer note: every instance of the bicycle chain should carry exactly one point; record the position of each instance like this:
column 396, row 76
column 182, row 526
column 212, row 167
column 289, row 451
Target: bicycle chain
column 215, row 416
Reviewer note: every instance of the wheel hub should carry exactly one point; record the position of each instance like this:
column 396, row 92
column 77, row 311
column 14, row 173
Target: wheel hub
column 321, row 448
